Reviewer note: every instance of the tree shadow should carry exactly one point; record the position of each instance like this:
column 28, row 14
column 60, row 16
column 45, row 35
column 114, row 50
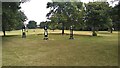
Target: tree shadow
column 39, row 34
column 69, row 34
column 55, row 34
column 10, row 36
column 83, row 35
column 104, row 33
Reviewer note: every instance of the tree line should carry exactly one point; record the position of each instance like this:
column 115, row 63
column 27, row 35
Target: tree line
column 91, row 16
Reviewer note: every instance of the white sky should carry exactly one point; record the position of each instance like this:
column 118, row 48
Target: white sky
column 36, row 9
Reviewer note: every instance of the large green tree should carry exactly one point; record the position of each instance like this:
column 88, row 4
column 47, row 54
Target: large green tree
column 42, row 24
column 97, row 15
column 115, row 14
column 11, row 16
column 65, row 13
column 32, row 24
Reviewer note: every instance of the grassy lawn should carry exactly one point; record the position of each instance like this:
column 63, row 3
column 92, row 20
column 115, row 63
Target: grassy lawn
column 84, row 50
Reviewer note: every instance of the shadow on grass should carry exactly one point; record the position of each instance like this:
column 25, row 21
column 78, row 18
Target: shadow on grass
column 69, row 34
column 104, row 33
column 55, row 34
column 10, row 36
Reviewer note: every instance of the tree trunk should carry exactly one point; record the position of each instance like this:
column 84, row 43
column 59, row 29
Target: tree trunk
column 4, row 33
column 53, row 30
column 62, row 28
column 111, row 30
column 93, row 32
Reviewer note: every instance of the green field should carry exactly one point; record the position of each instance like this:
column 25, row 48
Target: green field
column 84, row 50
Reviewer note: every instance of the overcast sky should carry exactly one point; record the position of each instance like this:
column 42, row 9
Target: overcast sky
column 36, row 9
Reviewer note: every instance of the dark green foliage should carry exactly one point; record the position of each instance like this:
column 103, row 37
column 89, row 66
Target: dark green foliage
column 32, row 24
column 12, row 17
column 42, row 24
column 97, row 16
column 94, row 16
column 115, row 14
column 65, row 13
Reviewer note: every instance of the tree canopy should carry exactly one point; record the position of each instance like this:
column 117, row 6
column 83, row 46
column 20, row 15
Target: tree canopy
column 32, row 24
column 66, row 13
column 97, row 15
column 12, row 16
column 93, row 15
column 115, row 14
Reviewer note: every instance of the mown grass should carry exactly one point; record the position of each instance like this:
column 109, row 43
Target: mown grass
column 84, row 50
